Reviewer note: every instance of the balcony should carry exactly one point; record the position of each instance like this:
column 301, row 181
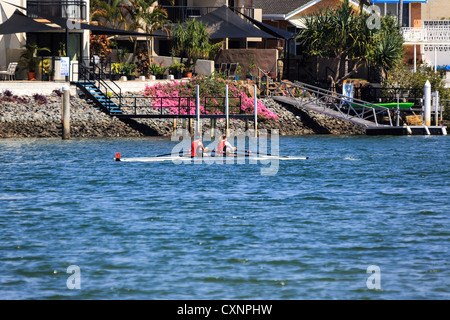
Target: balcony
column 182, row 13
column 72, row 9
column 429, row 35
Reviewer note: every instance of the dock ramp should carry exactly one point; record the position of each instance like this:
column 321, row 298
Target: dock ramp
column 333, row 104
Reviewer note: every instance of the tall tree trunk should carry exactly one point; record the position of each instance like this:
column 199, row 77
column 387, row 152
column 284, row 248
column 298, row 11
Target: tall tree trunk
column 149, row 50
column 338, row 72
column 134, row 48
column 400, row 13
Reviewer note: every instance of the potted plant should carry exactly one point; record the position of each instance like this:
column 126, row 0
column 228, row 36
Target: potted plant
column 29, row 59
column 44, row 66
column 176, row 69
column 116, row 69
column 238, row 71
column 157, row 70
column 162, row 71
column 130, row 68
column 250, row 68
column 188, row 72
column 188, row 69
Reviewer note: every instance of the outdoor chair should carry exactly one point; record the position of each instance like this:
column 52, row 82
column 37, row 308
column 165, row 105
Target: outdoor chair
column 223, row 68
column 10, row 72
column 232, row 71
column 194, row 13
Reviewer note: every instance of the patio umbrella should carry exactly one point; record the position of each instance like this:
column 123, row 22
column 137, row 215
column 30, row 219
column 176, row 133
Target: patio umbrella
column 19, row 22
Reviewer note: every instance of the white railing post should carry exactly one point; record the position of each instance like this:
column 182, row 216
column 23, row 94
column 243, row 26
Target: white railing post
column 197, row 111
column 255, row 107
column 427, row 103
column 436, row 108
column 227, row 119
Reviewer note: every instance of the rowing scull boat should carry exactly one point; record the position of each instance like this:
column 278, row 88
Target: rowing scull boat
column 185, row 158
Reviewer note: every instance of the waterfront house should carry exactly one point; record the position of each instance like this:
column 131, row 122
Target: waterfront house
column 237, row 48
column 427, row 32
column 11, row 45
column 188, row 9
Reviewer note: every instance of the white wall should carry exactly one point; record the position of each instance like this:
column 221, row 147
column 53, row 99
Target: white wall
column 10, row 44
column 442, row 55
column 203, row 66
column 436, row 10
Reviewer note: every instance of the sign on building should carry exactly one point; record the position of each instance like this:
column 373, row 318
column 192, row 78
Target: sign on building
column 65, row 66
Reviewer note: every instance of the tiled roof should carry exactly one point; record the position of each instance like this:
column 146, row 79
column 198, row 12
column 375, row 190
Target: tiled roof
column 279, row 6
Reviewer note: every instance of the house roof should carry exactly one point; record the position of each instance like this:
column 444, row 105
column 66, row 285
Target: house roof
column 286, row 9
column 224, row 23
column 280, row 7
column 277, row 33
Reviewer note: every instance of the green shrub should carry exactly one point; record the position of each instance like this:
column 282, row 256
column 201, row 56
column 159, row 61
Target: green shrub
column 402, row 77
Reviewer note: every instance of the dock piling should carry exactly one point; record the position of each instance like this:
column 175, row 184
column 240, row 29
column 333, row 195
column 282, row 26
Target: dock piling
column 66, row 112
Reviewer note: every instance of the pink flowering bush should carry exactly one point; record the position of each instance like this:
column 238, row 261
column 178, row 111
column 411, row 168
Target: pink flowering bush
column 179, row 97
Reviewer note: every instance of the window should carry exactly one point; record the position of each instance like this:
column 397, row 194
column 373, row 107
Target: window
column 74, row 9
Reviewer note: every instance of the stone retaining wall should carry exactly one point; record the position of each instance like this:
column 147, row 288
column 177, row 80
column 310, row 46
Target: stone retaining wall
column 34, row 119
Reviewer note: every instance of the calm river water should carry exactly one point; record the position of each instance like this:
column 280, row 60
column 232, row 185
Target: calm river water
column 315, row 230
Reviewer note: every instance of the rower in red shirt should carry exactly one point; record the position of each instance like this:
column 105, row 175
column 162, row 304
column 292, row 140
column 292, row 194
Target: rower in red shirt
column 224, row 147
column 197, row 148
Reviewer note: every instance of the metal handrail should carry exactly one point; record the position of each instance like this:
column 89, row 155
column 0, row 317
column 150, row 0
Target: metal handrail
column 184, row 106
column 99, row 78
column 337, row 102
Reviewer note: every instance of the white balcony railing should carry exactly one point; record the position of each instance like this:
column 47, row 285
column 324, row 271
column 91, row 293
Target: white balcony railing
column 435, row 35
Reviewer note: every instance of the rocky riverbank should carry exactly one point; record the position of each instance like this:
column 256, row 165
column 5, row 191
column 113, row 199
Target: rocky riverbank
column 40, row 116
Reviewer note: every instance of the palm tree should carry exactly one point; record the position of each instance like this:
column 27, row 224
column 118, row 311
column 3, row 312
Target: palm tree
column 155, row 20
column 389, row 48
column 108, row 13
column 400, row 13
column 191, row 41
column 147, row 16
column 340, row 34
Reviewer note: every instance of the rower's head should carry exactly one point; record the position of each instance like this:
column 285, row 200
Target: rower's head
column 198, row 137
column 224, row 136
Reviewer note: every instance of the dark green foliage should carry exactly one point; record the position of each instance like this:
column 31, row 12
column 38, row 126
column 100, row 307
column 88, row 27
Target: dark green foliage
column 342, row 33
